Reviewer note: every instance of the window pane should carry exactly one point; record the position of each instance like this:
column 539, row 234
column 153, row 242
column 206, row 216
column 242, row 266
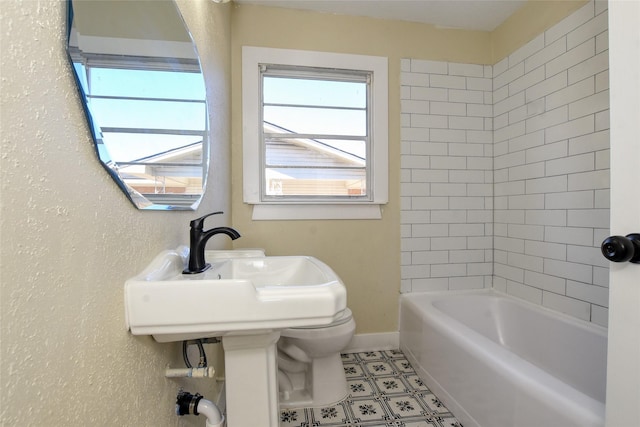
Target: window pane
column 317, row 121
column 146, row 84
column 315, row 182
column 325, row 93
column 127, row 147
column 157, row 114
column 309, row 153
column 355, row 148
column 163, row 179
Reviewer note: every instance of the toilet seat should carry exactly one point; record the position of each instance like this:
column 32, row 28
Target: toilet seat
column 345, row 316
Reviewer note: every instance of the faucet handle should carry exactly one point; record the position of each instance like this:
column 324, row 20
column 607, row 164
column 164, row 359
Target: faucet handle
column 198, row 223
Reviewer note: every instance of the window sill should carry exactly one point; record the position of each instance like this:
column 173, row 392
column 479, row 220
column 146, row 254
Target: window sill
column 265, row 212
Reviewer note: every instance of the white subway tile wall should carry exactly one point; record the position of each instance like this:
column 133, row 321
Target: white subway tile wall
column 505, row 170
column 447, row 175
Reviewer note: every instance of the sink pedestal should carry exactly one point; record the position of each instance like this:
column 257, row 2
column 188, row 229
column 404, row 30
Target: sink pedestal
column 251, row 371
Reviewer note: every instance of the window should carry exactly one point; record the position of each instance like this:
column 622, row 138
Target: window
column 314, row 134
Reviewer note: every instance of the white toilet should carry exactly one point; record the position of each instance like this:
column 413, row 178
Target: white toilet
column 310, row 371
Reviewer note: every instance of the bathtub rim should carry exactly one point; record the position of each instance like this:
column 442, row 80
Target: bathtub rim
column 583, row 324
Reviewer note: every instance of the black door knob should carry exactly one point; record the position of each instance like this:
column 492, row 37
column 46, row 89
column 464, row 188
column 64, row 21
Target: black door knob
column 621, row 249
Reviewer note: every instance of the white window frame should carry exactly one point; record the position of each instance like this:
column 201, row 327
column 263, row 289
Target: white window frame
column 252, row 57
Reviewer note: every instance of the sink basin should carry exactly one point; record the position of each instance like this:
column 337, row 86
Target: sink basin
column 242, row 293
column 226, row 254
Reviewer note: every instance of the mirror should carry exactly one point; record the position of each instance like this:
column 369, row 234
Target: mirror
column 139, row 78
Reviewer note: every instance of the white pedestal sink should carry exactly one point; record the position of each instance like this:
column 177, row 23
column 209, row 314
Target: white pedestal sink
column 244, row 299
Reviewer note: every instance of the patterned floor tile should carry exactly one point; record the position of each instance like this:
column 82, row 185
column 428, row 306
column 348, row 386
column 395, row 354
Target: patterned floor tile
column 353, row 370
column 390, row 385
column 335, row 415
column 402, row 365
column 349, row 357
column 361, row 387
column 293, row 417
column 385, row 391
column 406, row 407
column 367, row 410
column 379, row 367
column 415, row 382
column 434, row 404
column 370, row 355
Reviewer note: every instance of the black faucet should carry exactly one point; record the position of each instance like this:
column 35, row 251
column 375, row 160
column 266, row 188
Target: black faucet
column 198, row 239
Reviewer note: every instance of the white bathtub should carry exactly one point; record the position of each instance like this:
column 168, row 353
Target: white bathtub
column 496, row 361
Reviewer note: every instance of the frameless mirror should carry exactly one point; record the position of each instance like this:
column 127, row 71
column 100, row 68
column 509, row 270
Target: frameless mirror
column 139, row 78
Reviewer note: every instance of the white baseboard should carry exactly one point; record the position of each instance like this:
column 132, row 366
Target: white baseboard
column 373, row 342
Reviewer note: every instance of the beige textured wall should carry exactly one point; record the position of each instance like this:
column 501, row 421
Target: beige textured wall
column 365, row 254
column 527, row 22
column 69, row 238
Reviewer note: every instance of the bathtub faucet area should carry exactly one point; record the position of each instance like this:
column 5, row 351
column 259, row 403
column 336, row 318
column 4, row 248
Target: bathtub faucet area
column 198, row 239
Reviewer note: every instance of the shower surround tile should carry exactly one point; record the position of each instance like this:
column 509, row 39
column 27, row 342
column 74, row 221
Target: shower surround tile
column 385, row 391
column 447, row 179
column 521, row 172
